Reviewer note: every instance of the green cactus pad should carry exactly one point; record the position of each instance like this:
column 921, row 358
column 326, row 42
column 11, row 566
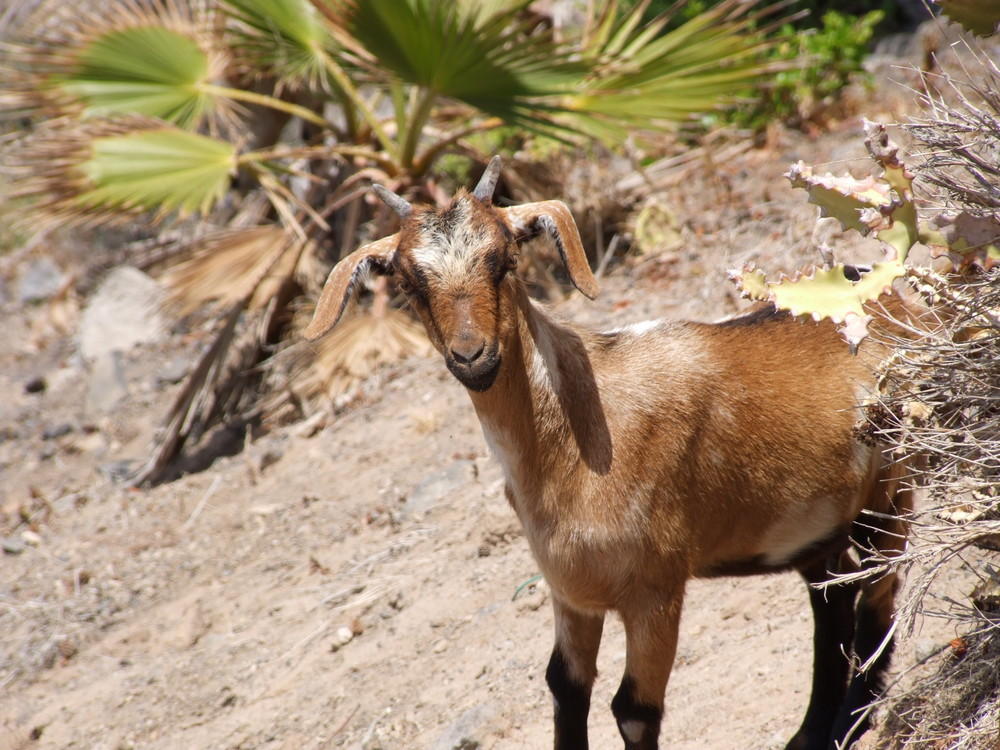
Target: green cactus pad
column 978, row 16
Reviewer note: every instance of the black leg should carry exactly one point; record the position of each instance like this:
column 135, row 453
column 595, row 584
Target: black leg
column 875, row 537
column 638, row 723
column 874, row 624
column 572, row 705
column 833, row 631
column 571, row 672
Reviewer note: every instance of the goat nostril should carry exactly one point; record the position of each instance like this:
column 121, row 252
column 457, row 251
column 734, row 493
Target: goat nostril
column 466, row 354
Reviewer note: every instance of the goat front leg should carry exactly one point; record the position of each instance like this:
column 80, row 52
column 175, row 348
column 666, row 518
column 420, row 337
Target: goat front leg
column 571, row 672
column 651, row 644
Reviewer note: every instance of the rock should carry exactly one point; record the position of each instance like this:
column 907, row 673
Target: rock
column 172, row 372
column 123, row 312
column 438, row 486
column 107, row 387
column 461, row 735
column 41, row 280
column 13, row 545
column 56, row 430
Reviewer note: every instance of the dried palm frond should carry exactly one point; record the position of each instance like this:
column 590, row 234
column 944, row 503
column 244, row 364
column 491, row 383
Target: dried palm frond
column 960, row 139
column 249, row 271
column 329, row 373
column 228, row 266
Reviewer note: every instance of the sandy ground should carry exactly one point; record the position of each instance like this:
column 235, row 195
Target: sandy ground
column 354, row 586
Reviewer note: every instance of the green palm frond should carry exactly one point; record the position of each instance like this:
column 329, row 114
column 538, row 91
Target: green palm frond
column 489, row 61
column 150, row 70
column 105, row 172
column 163, row 170
column 149, row 57
column 649, row 78
column 286, row 38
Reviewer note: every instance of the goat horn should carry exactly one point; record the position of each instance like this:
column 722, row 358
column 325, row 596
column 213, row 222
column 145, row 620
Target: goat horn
column 400, row 206
column 488, row 182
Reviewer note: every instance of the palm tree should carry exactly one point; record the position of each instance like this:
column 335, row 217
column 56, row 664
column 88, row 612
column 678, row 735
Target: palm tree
column 258, row 126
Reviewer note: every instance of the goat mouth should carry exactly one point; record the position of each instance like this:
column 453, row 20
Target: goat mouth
column 477, row 376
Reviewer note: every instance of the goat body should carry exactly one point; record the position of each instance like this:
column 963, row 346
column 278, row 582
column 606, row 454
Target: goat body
column 641, row 457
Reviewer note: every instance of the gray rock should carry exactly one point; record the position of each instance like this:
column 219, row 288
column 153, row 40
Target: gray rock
column 40, row 281
column 13, row 545
column 172, row 372
column 57, row 430
column 107, row 386
column 123, row 312
column 461, row 735
column 438, row 487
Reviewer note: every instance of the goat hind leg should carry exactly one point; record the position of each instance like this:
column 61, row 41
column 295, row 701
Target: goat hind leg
column 571, row 672
column 877, row 536
column 833, row 632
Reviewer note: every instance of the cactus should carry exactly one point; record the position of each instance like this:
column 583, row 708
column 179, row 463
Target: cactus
column 981, row 17
column 883, row 207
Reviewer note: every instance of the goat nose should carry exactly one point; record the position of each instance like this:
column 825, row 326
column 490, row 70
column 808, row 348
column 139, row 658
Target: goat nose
column 467, row 352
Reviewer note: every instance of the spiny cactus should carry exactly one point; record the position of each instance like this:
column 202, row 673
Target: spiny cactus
column 883, row 207
column 978, row 16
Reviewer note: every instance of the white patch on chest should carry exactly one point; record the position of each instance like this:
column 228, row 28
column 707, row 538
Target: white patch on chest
column 543, row 368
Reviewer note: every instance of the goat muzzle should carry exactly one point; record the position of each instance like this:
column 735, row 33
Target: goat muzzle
column 475, row 365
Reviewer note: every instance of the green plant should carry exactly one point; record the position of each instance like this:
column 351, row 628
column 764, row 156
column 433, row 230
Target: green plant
column 818, row 64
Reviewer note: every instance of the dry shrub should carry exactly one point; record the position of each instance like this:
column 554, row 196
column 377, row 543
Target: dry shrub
column 941, row 406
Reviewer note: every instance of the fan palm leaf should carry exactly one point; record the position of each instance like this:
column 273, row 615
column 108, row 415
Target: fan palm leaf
column 158, row 58
column 98, row 171
column 284, row 38
column 650, row 78
column 487, row 60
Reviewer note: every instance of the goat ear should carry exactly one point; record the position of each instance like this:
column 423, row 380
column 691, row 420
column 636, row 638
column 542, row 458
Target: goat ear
column 554, row 219
column 374, row 256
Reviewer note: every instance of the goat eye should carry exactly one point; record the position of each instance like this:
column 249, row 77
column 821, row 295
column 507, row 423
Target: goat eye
column 511, row 262
column 403, row 285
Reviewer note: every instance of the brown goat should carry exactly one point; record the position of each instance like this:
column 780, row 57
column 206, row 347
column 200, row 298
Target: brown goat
column 641, row 457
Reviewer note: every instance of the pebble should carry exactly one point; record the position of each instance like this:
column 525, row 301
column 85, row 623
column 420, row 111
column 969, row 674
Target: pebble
column 30, row 537
column 341, row 637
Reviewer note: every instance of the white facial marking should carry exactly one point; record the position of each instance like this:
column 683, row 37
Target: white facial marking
column 450, row 251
